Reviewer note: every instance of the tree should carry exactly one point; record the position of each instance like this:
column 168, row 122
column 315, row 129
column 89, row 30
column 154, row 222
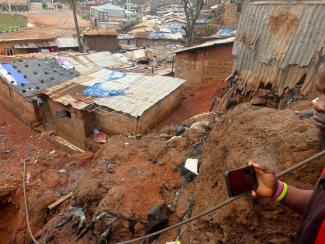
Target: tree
column 192, row 9
column 73, row 5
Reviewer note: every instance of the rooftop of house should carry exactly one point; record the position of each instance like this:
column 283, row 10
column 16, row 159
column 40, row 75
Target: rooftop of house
column 99, row 32
column 140, row 92
column 32, row 75
column 221, row 42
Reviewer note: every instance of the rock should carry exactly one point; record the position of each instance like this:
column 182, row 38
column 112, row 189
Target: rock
column 158, row 217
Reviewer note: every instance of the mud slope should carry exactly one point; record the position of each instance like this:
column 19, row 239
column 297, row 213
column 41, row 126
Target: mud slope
column 271, row 137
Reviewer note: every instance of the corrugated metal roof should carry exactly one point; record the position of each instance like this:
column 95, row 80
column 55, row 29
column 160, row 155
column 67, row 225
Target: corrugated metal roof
column 65, row 42
column 278, row 44
column 88, row 63
column 208, row 44
column 142, row 91
column 99, row 32
column 32, row 75
column 35, row 44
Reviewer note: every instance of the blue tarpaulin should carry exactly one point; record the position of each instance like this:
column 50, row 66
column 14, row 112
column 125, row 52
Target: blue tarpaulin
column 97, row 90
column 115, row 75
column 225, row 31
column 14, row 73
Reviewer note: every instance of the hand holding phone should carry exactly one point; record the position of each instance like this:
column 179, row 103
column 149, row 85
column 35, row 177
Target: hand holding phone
column 240, row 181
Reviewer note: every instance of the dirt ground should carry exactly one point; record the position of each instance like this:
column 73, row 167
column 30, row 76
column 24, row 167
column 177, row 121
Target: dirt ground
column 115, row 188
column 50, row 173
column 195, row 100
column 60, row 19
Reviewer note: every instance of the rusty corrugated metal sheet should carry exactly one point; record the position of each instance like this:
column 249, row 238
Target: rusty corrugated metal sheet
column 35, row 44
column 279, row 44
column 143, row 91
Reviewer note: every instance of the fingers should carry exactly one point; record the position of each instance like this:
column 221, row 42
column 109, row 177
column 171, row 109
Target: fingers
column 260, row 167
column 255, row 165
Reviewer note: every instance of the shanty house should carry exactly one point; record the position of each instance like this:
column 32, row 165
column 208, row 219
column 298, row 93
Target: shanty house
column 127, row 103
column 100, row 40
column 21, row 80
column 150, row 39
column 14, row 5
column 277, row 52
column 110, row 16
column 205, row 64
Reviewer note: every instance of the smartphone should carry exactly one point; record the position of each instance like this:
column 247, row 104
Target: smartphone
column 240, row 181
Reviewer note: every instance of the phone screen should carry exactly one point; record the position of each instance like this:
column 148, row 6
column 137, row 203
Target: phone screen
column 241, row 180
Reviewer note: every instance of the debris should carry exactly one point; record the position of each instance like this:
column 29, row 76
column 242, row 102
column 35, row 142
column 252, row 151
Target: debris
column 191, row 164
column 201, row 125
column 79, row 213
column 61, row 200
column 315, row 100
column 6, row 150
column 173, row 138
column 306, row 113
column 180, row 130
column 174, row 242
column 62, row 222
column 62, row 171
column 28, row 177
column 158, row 217
column 52, row 152
column 99, row 137
column 158, row 162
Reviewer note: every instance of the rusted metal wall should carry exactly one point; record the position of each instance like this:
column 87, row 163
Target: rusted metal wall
column 278, row 46
column 101, row 43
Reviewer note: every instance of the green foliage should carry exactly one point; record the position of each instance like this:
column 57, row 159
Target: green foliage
column 11, row 22
column 86, row 16
column 44, row 5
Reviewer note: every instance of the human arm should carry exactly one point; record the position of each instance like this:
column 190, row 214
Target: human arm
column 295, row 199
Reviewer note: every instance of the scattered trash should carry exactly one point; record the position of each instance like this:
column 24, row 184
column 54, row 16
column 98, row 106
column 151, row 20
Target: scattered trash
column 62, row 171
column 6, row 150
column 173, row 138
column 180, row 130
column 79, row 213
column 62, row 222
column 52, row 152
column 173, row 242
column 306, row 113
column 315, row 100
column 191, row 164
column 61, row 200
column 158, row 217
column 63, row 62
column 99, row 137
